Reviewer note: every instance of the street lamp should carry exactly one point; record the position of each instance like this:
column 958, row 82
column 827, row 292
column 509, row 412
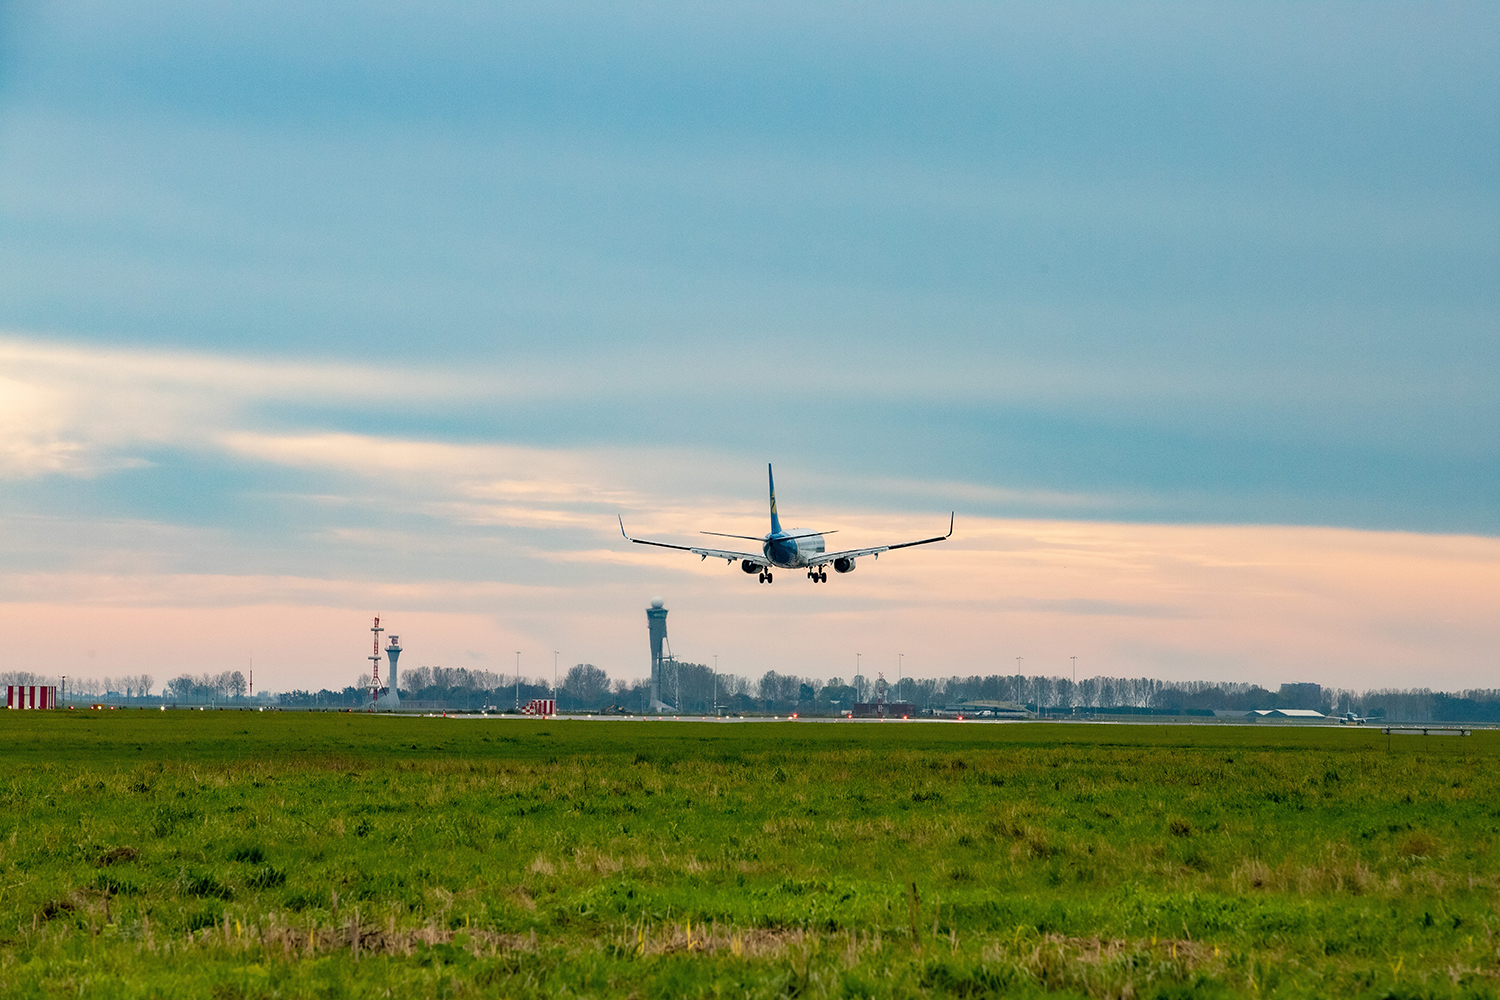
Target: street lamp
column 716, row 685
column 900, row 659
column 518, row 682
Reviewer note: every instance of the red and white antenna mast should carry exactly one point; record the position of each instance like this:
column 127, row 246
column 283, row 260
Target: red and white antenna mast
column 375, row 631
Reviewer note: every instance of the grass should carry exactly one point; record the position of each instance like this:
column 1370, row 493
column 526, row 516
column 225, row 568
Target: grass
column 231, row 854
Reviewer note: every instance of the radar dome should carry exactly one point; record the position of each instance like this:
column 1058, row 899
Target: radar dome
column 657, row 602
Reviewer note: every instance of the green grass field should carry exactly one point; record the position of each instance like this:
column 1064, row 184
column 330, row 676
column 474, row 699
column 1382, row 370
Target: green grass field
column 236, row 854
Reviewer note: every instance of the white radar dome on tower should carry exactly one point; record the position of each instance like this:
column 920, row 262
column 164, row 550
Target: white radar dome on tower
column 657, row 602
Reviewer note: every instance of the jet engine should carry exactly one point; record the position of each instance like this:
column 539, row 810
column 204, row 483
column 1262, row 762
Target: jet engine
column 843, row 565
column 749, row 567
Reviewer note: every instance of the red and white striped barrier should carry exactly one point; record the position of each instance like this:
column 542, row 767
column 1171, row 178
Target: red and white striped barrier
column 540, row 706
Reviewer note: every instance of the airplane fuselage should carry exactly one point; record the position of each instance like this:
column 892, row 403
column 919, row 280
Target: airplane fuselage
column 792, row 549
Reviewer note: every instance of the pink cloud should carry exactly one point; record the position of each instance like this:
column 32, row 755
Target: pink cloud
column 1268, row 604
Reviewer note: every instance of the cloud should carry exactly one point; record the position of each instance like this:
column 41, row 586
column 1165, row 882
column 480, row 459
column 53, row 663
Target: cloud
column 244, row 505
column 1267, row 604
column 83, row 410
column 32, row 435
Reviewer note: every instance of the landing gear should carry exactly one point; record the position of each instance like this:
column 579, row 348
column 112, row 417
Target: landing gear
column 765, row 577
column 817, row 576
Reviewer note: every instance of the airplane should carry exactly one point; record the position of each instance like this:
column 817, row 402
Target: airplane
column 1350, row 719
column 788, row 549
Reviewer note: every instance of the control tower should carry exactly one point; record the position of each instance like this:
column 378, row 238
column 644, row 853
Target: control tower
column 392, row 698
column 656, row 624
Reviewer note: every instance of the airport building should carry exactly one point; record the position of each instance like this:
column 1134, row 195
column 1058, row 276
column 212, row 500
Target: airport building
column 985, row 709
column 30, row 696
column 1287, row 714
column 883, row 710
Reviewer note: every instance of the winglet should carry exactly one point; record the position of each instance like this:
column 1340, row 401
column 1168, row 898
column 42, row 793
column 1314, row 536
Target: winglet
column 622, row 528
column 948, row 535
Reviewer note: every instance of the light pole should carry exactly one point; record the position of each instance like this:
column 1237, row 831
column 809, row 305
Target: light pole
column 900, row 659
column 518, row 682
column 1075, row 683
column 716, row 685
column 554, row 674
column 1019, row 693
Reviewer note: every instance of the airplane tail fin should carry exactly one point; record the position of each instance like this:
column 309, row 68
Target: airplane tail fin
column 775, row 521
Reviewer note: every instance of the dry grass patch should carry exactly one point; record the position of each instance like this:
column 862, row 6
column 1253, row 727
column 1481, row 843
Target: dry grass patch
column 1419, row 845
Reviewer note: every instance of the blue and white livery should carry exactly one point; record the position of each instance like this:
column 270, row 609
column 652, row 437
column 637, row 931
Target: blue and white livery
column 790, row 548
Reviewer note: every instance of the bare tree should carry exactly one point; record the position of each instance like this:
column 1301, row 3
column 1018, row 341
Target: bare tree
column 586, row 685
column 236, row 684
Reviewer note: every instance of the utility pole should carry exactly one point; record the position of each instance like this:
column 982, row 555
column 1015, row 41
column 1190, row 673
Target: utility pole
column 554, row 674
column 716, row 685
column 518, row 681
column 1075, row 683
column 900, row 657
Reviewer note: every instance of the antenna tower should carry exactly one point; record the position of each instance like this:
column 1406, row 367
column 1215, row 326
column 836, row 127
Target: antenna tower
column 375, row 631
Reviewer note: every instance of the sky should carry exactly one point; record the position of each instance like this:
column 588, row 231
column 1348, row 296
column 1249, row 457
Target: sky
column 314, row 311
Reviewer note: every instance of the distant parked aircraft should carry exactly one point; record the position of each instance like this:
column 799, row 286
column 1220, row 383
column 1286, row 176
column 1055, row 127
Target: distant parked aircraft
column 789, row 549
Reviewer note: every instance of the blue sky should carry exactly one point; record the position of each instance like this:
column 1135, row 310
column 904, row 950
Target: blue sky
column 1151, row 264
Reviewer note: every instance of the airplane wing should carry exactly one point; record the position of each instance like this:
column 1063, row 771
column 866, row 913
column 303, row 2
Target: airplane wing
column 874, row 550
column 757, row 558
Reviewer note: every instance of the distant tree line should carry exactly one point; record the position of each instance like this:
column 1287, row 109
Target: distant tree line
column 229, row 685
column 694, row 688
